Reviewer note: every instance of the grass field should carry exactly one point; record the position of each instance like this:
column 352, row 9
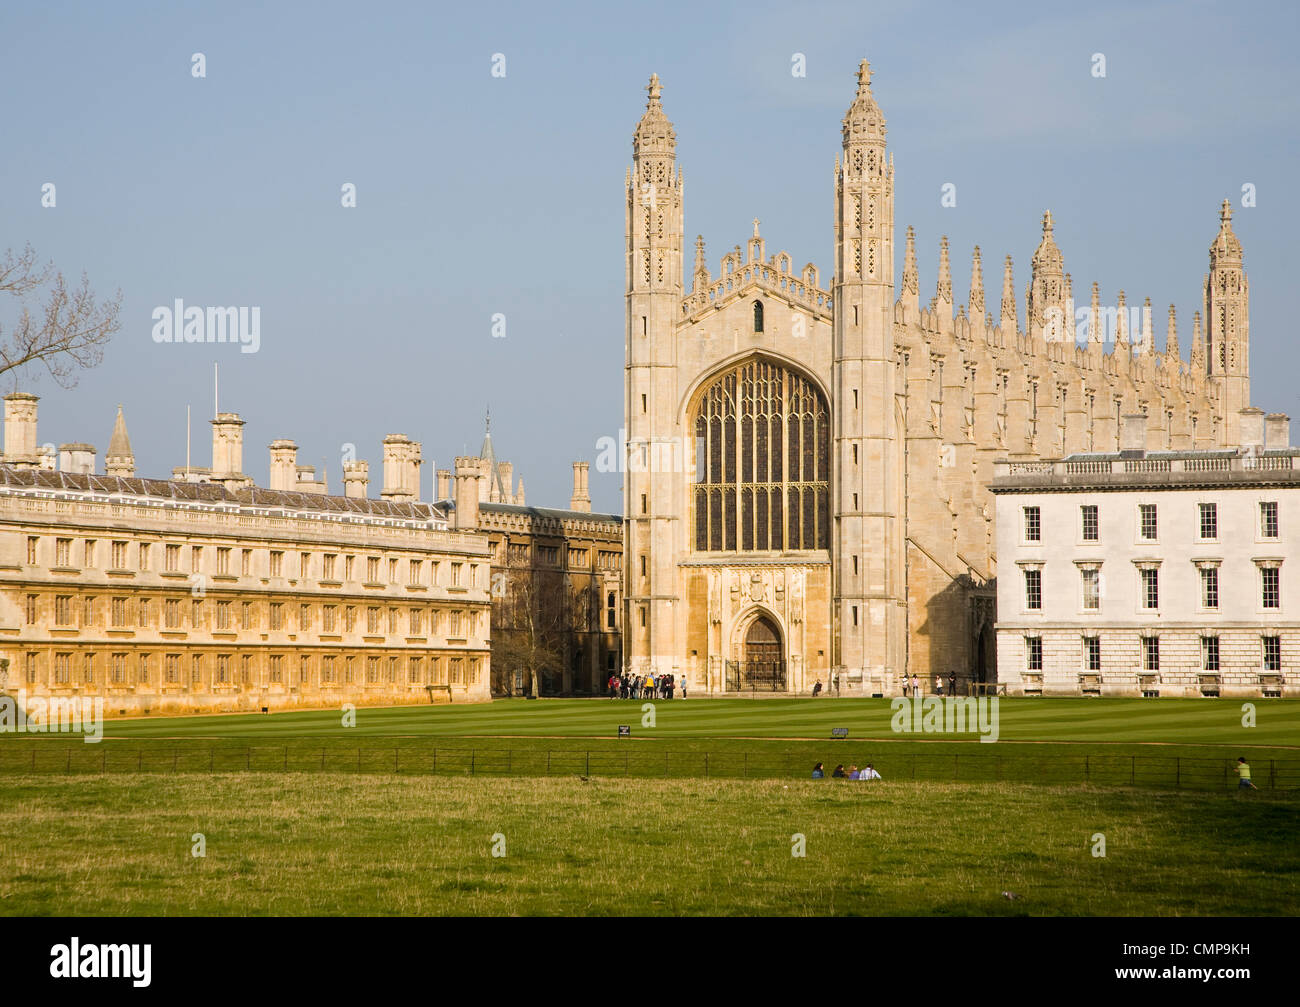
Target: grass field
column 338, row 844
column 693, row 815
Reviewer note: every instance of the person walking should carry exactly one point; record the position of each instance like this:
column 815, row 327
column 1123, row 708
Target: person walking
column 952, row 683
column 1243, row 775
column 916, row 687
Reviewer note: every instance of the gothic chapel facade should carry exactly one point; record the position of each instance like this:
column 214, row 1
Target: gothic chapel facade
column 807, row 477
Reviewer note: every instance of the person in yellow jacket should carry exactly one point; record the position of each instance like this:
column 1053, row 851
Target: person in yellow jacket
column 1243, row 775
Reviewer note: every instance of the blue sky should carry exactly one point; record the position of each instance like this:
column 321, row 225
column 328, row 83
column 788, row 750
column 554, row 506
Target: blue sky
column 479, row 195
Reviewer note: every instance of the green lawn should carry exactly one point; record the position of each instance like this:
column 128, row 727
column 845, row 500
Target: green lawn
column 1167, row 721
column 349, row 844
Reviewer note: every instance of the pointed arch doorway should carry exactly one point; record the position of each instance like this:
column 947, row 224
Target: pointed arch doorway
column 761, row 664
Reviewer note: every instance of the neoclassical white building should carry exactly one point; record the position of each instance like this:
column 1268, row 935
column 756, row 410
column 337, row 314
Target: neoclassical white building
column 1157, row 573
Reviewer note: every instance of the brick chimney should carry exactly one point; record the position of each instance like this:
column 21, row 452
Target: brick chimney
column 284, row 465
column 356, row 479
column 228, row 448
column 20, row 430
column 1277, row 431
column 401, row 468
column 78, row 459
column 467, row 479
column 1133, row 433
column 581, row 499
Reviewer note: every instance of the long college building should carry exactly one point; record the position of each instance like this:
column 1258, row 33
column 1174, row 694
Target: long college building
column 207, row 593
column 809, row 460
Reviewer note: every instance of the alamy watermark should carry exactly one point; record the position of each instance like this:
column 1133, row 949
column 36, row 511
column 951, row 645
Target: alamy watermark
column 946, row 715
column 181, row 324
column 54, row 715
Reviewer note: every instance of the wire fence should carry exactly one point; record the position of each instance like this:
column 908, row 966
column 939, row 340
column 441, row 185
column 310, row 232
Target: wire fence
column 1174, row 772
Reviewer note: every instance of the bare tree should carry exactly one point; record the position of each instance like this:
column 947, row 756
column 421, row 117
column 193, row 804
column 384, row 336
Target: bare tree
column 69, row 327
column 530, row 621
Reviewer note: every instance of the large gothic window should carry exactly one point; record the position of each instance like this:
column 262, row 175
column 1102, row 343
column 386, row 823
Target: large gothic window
column 762, row 470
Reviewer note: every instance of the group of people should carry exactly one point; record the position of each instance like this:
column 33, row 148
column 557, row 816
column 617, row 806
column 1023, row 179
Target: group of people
column 911, row 686
column 840, row 773
column 645, row 686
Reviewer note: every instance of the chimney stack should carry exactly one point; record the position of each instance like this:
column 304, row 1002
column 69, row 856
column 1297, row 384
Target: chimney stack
column 356, row 479
column 227, row 447
column 20, row 430
column 78, row 459
column 1252, row 427
column 1133, row 433
column 467, row 480
column 444, row 484
column 1277, row 431
column 284, row 465
column 401, row 468
column 581, row 496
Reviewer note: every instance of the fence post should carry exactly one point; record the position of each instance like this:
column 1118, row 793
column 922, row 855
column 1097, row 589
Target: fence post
column 248, row 759
column 956, row 766
column 1087, row 770
column 1272, row 767
column 508, row 751
column 588, row 772
column 212, row 754
column 139, row 765
column 322, row 758
column 358, row 759
column 747, row 765
column 435, row 761
column 548, row 762
column 1132, row 769
column 34, row 759
column 174, row 754
column 914, row 767
column 472, row 753
column 1178, row 772
column 286, row 758
column 706, row 765
column 665, row 763
column 395, row 766
column 67, row 768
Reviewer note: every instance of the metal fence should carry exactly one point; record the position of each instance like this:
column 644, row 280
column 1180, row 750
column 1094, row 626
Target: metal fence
column 1173, row 772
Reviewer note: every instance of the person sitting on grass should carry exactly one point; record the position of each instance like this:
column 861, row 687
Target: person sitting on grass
column 839, row 773
column 1243, row 775
column 818, row 772
column 853, row 772
column 869, row 773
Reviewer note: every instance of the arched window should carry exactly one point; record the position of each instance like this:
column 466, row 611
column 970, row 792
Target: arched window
column 762, row 439
column 758, row 316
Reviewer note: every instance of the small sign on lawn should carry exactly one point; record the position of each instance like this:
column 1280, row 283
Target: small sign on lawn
column 624, row 730
column 839, row 732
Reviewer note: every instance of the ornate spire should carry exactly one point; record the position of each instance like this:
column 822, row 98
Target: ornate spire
column 911, row 282
column 701, row 265
column 1096, row 337
column 120, row 460
column 976, row 302
column 1171, row 336
column 1225, row 248
column 864, row 121
column 1147, row 343
column 654, row 133
column 1198, row 345
column 943, row 289
column 1121, row 323
column 1010, row 326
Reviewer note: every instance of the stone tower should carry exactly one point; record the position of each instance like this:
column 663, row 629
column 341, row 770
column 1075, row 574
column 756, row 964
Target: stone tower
column 120, row 460
column 1227, row 321
column 652, row 483
column 870, row 615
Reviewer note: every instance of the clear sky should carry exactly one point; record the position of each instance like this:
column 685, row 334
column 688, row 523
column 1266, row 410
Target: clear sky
column 479, row 195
